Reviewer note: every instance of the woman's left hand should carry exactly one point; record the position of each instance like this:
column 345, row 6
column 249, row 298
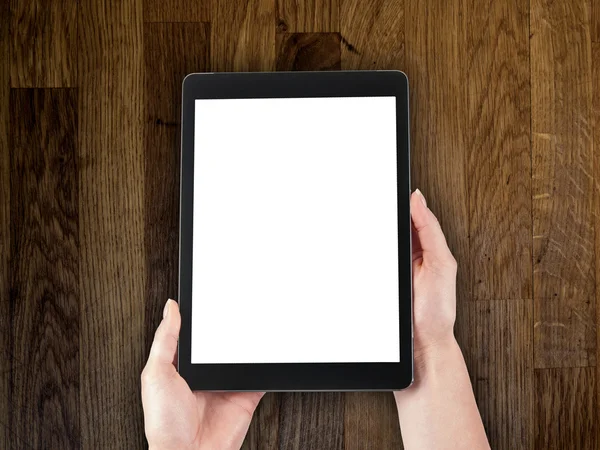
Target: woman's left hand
column 177, row 418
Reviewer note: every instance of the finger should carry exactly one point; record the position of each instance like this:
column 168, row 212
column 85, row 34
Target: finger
column 164, row 346
column 430, row 237
column 417, row 251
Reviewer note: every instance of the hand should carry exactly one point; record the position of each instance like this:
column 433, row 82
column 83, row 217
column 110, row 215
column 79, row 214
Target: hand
column 434, row 281
column 439, row 409
column 177, row 418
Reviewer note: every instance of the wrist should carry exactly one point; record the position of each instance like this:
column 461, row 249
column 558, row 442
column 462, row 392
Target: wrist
column 433, row 367
column 440, row 407
column 429, row 358
column 434, row 362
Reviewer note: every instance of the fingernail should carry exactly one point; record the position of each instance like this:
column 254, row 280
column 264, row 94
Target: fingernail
column 422, row 197
column 166, row 310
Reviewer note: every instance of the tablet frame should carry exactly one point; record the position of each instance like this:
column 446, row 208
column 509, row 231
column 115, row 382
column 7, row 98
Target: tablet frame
column 296, row 376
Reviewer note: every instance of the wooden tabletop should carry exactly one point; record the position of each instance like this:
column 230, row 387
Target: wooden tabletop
column 504, row 97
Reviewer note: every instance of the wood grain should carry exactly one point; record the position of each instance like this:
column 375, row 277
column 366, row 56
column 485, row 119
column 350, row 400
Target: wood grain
column 177, row 10
column 502, row 373
column 308, row 51
column 371, row 422
column 5, row 352
column 43, row 43
column 438, row 159
column 311, row 421
column 171, row 51
column 263, row 433
column 309, row 16
column 566, row 409
column 505, row 114
column 497, row 115
column 595, row 26
column 373, row 34
column 44, row 277
column 113, row 260
column 596, row 139
column 562, row 184
column 243, row 35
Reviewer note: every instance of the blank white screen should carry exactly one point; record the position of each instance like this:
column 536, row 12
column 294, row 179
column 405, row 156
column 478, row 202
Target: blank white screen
column 295, row 237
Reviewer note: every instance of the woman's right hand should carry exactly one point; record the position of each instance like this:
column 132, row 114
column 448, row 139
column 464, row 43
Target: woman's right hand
column 434, row 282
column 438, row 410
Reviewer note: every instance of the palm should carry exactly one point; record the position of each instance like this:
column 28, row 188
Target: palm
column 225, row 417
column 177, row 418
column 186, row 419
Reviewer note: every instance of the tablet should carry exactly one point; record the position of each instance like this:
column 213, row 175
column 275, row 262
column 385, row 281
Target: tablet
column 295, row 232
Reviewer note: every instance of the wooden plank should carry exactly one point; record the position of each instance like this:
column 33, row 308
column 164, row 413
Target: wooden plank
column 171, row 51
column 44, row 277
column 112, row 269
column 596, row 144
column 5, row 350
column 177, row 11
column 371, row 422
column 498, row 149
column 595, row 28
column 243, row 36
column 311, row 421
column 498, row 349
column 263, row 433
column 566, row 409
column 438, row 159
column 44, row 43
column 373, row 34
column 562, row 185
column 309, row 16
column 434, row 54
column 308, row 51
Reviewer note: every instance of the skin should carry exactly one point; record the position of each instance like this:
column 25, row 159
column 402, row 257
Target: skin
column 437, row 411
column 177, row 418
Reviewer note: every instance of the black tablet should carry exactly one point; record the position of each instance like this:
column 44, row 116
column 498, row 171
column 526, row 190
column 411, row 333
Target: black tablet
column 295, row 233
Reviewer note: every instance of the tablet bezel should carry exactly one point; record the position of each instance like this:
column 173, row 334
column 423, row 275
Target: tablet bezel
column 296, row 376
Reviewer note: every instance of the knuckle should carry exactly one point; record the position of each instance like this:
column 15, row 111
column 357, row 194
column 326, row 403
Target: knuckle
column 146, row 376
column 451, row 262
column 160, row 334
column 159, row 331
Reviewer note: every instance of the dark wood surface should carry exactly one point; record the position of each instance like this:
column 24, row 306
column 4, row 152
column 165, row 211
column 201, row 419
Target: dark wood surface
column 44, row 307
column 505, row 111
column 112, row 254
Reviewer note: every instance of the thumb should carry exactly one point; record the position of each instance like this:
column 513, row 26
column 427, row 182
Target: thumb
column 164, row 346
column 430, row 238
